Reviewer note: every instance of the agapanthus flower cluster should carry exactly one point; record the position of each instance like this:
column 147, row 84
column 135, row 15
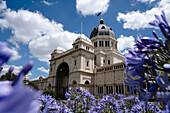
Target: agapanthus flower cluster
column 14, row 96
column 149, row 65
column 80, row 101
column 51, row 105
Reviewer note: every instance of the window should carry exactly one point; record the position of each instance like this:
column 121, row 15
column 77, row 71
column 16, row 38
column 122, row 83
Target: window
column 109, row 89
column 95, row 44
column 51, row 69
column 49, row 85
column 100, row 90
column 103, row 27
column 120, row 89
column 75, row 62
column 95, row 60
column 76, row 46
column 100, row 43
column 87, row 63
column 117, row 89
column 108, row 61
column 107, row 44
column 87, row 48
column 103, row 61
column 87, row 82
column 74, row 82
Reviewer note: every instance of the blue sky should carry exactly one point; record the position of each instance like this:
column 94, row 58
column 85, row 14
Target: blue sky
column 34, row 28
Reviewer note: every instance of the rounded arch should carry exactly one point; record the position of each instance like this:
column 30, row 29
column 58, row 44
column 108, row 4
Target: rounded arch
column 62, row 79
column 87, row 82
column 63, row 69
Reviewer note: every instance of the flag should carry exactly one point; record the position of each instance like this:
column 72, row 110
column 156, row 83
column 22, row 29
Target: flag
column 99, row 13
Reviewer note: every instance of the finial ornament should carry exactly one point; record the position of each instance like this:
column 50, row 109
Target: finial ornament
column 101, row 21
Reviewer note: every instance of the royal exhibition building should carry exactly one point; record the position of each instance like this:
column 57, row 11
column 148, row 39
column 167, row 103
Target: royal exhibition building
column 93, row 64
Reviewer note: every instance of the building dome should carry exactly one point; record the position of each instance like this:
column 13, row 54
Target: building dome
column 59, row 49
column 102, row 29
column 84, row 38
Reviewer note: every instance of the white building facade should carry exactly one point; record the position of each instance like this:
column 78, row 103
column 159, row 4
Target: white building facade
column 93, row 64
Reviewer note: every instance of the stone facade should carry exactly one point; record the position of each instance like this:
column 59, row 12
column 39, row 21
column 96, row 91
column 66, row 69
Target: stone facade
column 93, row 64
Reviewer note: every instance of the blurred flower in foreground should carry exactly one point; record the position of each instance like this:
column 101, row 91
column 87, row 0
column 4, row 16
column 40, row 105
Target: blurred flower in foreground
column 5, row 53
column 149, row 62
column 14, row 96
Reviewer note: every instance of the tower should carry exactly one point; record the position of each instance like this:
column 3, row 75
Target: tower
column 105, row 45
column 83, row 64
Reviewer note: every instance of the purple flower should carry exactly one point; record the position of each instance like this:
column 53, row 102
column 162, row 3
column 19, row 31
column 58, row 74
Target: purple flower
column 159, row 21
column 11, row 69
column 14, row 96
column 5, row 53
column 166, row 68
column 163, row 83
column 148, row 41
column 133, row 61
column 23, row 72
column 17, row 99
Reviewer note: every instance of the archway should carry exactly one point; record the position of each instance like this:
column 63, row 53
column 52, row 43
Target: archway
column 62, row 79
column 87, row 82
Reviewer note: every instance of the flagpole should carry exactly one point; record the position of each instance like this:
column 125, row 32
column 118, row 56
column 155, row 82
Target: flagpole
column 81, row 28
column 101, row 15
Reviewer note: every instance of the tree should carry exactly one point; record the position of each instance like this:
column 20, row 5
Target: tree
column 8, row 76
column 32, row 85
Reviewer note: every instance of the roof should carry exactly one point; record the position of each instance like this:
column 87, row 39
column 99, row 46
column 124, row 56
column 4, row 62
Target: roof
column 84, row 38
column 102, row 29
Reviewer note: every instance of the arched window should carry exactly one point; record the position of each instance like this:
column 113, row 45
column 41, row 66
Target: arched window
column 103, row 27
column 87, row 82
column 74, row 82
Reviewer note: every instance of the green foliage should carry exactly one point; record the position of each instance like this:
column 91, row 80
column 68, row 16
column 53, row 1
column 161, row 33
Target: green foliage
column 8, row 76
column 49, row 92
column 32, row 85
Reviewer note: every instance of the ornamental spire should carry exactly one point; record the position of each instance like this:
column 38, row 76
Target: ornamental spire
column 101, row 21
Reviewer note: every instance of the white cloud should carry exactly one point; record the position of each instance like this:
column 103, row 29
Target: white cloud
column 43, row 70
column 146, row 1
column 125, row 42
column 16, row 71
column 15, row 54
column 42, row 47
column 2, row 5
column 91, row 7
column 37, row 78
column 137, row 20
column 46, row 3
column 41, row 34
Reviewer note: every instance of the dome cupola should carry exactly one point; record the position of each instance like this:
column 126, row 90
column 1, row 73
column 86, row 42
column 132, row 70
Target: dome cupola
column 102, row 29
